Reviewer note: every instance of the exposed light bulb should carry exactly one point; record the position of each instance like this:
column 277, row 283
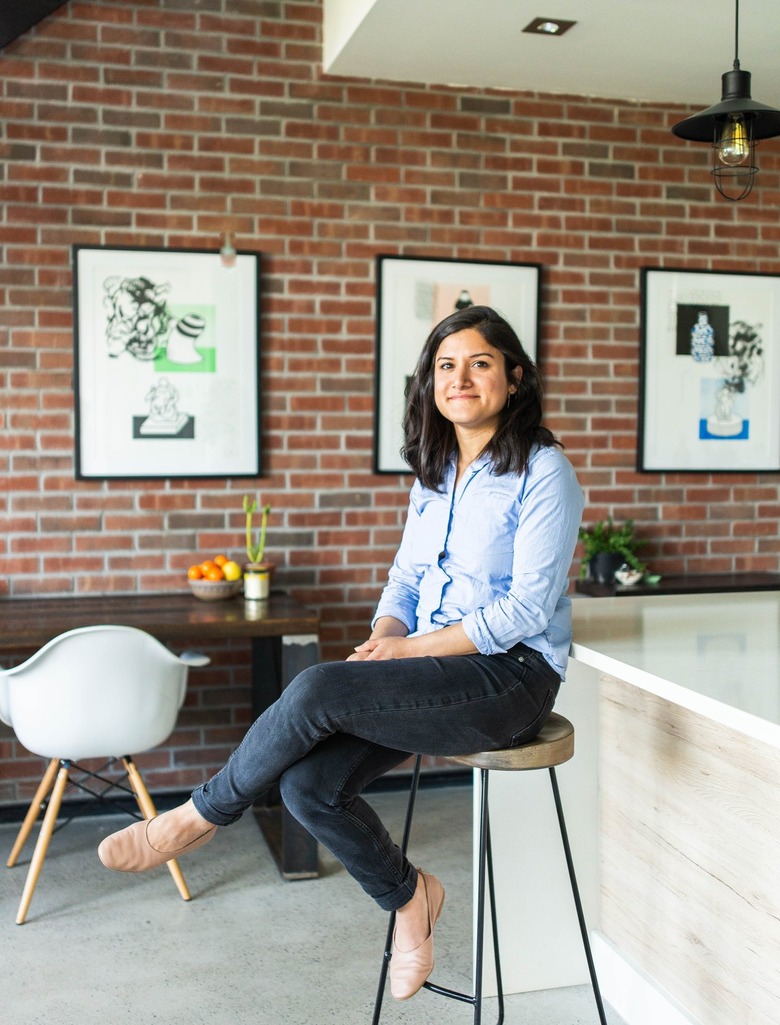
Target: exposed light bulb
column 733, row 146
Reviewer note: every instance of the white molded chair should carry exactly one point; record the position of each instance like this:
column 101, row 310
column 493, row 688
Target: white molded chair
column 96, row 692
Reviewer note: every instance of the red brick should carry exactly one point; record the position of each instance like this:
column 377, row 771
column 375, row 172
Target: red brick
column 237, row 131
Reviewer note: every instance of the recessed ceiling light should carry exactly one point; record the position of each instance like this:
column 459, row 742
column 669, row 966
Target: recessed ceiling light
column 549, row 26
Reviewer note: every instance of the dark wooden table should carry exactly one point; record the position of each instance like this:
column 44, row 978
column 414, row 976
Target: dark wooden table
column 284, row 639
column 703, row 583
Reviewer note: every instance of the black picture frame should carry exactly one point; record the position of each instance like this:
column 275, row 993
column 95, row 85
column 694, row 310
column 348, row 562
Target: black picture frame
column 413, row 295
column 709, row 372
column 167, row 363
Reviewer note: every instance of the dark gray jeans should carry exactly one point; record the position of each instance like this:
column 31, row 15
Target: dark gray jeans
column 339, row 725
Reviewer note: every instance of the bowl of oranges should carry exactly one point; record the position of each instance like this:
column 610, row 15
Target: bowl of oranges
column 215, row 579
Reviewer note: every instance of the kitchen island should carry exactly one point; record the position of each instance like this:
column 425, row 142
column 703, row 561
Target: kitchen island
column 689, row 791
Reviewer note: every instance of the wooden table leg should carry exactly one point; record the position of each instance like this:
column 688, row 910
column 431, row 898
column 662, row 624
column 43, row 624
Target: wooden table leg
column 275, row 663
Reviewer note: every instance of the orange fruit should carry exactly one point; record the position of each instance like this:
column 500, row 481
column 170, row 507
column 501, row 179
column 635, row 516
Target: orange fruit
column 215, row 573
column 194, row 572
column 220, row 560
column 209, row 564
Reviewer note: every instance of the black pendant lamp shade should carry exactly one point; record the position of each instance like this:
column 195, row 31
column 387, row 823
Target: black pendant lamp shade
column 764, row 120
column 732, row 127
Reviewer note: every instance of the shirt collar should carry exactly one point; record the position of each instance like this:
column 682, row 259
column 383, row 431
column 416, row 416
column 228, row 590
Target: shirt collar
column 481, row 461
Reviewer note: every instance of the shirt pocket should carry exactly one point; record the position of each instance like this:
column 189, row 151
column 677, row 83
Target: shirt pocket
column 487, row 524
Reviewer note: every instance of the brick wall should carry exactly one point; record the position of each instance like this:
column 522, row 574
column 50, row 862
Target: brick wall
column 168, row 123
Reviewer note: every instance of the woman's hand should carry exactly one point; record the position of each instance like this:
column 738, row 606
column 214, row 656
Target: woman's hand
column 387, row 628
column 377, row 649
column 450, row 640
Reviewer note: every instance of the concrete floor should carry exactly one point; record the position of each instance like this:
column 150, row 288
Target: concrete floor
column 101, row 948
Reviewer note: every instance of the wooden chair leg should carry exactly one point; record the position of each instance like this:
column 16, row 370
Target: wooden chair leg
column 42, row 845
column 33, row 811
column 148, row 810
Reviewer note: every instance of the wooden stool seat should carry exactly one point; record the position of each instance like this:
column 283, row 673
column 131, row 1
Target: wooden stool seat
column 553, row 745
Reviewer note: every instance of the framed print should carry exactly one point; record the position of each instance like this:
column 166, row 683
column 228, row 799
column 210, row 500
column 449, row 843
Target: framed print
column 709, row 372
column 413, row 295
column 167, row 359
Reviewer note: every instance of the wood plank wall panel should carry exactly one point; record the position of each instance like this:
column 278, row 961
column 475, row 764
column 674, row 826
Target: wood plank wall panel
column 690, row 855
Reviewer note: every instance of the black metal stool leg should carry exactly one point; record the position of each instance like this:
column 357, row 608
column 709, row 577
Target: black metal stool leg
column 484, row 873
column 485, row 880
column 494, row 919
column 391, row 926
column 483, row 842
column 576, row 893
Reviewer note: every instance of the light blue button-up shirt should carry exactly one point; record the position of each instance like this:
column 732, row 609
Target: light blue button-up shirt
column 492, row 554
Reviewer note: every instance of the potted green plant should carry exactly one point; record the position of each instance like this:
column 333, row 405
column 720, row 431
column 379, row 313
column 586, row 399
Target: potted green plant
column 607, row 547
column 257, row 574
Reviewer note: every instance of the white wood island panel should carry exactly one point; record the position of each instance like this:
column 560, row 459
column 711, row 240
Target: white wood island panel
column 689, row 775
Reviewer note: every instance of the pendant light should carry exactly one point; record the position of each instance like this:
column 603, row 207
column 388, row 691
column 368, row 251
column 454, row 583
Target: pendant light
column 733, row 127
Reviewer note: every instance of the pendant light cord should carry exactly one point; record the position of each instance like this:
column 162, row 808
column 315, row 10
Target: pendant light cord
column 736, row 35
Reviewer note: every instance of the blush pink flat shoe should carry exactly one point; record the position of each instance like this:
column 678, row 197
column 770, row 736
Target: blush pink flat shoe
column 409, row 969
column 130, row 850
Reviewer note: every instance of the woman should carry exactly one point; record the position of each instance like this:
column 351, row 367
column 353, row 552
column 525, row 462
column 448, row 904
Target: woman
column 468, row 646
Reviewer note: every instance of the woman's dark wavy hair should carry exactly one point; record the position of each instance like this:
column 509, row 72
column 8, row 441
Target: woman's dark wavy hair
column 430, row 439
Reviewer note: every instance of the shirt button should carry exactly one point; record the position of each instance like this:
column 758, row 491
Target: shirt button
column 441, row 555
column 521, row 658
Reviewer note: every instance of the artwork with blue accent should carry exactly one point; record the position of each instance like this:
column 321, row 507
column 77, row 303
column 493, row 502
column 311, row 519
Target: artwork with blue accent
column 708, row 375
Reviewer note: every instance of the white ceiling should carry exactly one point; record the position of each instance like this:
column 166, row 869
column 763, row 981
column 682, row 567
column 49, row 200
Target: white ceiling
column 669, row 51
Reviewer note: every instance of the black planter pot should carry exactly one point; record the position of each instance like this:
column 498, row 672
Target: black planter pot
column 603, row 566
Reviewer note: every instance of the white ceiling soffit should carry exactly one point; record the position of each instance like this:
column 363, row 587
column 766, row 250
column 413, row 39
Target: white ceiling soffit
column 667, row 51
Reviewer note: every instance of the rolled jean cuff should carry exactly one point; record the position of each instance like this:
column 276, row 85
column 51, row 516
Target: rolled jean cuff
column 402, row 894
column 209, row 813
